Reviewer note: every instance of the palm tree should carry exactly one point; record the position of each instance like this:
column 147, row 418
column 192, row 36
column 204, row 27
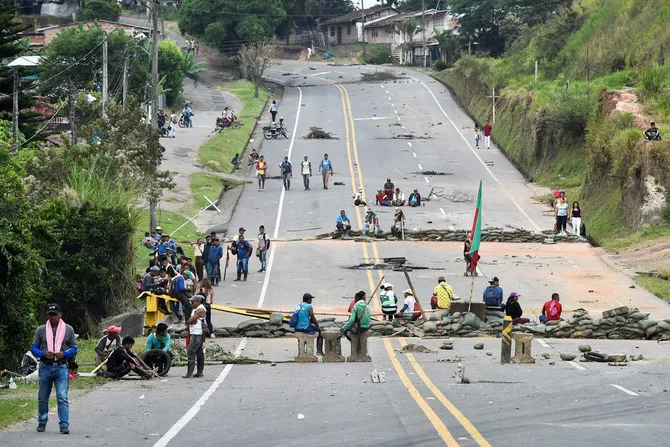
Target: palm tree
column 191, row 67
column 448, row 43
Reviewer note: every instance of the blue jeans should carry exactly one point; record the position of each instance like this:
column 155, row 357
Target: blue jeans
column 263, row 258
column 366, row 227
column 305, row 180
column 49, row 375
column 243, row 265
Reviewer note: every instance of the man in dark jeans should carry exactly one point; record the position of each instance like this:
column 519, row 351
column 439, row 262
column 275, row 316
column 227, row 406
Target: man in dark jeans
column 54, row 344
column 286, row 172
column 178, row 290
column 122, row 360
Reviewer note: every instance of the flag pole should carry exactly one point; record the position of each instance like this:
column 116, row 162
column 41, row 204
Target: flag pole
column 472, row 286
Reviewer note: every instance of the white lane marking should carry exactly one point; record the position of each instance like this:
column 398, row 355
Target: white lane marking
column 373, row 118
column 193, row 411
column 409, row 143
column 467, row 142
column 396, row 112
column 399, row 120
column 426, row 179
column 420, row 167
column 382, row 86
column 392, row 105
column 543, row 343
column 442, row 211
column 389, row 98
column 414, row 154
column 387, row 92
column 321, row 73
column 625, row 390
column 577, row 365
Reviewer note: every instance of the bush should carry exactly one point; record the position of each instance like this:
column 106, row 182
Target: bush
column 666, row 213
column 171, row 69
column 650, row 82
column 101, row 10
column 439, row 65
column 380, row 55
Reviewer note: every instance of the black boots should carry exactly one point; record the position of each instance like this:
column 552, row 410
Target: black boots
column 319, row 345
column 245, row 276
column 189, row 371
column 239, row 275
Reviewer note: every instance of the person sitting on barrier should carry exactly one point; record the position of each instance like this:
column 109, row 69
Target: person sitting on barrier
column 513, row 309
column 359, row 321
column 107, row 344
column 307, row 322
column 414, row 199
column 149, row 280
column 493, row 294
column 399, row 198
column 410, row 308
column 551, row 311
column 122, row 361
column 398, row 223
column 343, row 224
column 389, row 301
column 159, row 339
column 443, row 293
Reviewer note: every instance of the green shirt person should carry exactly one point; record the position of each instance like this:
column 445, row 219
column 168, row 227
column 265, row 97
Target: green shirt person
column 360, row 316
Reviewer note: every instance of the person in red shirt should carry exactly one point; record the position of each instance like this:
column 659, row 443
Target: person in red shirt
column 552, row 309
column 487, row 135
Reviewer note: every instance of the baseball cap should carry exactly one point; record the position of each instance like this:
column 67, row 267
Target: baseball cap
column 441, row 279
column 408, row 291
column 514, row 294
column 113, row 329
column 53, row 308
column 495, row 279
column 387, row 285
column 197, row 297
column 242, row 229
column 155, row 268
column 159, row 228
column 307, row 296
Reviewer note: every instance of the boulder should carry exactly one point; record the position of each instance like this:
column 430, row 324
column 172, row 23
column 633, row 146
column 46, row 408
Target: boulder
column 568, row 356
column 584, row 348
column 249, row 323
column 624, row 310
column 258, row 333
column 616, row 357
column 429, row 326
column 276, row 318
column 479, row 346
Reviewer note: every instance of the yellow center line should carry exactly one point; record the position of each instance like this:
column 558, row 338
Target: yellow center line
column 476, row 436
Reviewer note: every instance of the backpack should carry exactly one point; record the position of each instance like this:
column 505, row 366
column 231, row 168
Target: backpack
column 293, row 322
column 417, row 310
column 490, row 297
column 553, row 309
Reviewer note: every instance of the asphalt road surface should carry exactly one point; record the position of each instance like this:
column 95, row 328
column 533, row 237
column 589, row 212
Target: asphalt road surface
column 420, row 403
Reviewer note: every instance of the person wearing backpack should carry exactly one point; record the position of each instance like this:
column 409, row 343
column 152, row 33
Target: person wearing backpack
column 551, row 311
column 389, row 301
column 303, row 320
column 493, row 294
column 243, row 250
column 359, row 321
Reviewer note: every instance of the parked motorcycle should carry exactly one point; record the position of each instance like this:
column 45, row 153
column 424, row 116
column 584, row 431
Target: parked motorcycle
column 223, row 123
column 275, row 130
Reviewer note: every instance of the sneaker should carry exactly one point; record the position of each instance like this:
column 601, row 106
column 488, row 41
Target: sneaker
column 41, row 427
column 212, row 335
column 64, row 431
column 261, row 271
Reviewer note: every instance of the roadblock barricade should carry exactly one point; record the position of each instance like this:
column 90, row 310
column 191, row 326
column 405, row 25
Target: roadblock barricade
column 359, row 347
column 332, row 346
column 306, row 347
column 522, row 345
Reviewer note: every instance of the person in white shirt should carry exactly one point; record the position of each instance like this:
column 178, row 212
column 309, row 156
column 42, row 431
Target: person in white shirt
column 195, row 348
column 306, row 171
column 408, row 306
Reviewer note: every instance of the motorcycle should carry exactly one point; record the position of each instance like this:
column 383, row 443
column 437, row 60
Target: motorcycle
column 183, row 121
column 275, row 130
column 222, row 123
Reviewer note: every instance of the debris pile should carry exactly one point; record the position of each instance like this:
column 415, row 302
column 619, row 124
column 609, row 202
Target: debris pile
column 317, row 133
column 488, row 235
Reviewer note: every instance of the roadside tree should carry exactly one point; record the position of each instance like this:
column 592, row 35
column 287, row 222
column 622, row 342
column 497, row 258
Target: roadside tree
column 254, row 59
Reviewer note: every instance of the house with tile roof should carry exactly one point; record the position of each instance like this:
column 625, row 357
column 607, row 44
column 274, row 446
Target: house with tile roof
column 348, row 29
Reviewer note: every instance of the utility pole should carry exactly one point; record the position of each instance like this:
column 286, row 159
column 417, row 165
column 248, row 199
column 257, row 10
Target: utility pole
column 73, row 129
column 154, row 97
column 125, row 78
column 15, row 110
column 365, row 54
column 105, row 75
column 423, row 31
column 536, row 68
column 493, row 99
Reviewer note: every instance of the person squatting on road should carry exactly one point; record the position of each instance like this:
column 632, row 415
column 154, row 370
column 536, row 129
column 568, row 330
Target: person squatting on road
column 399, row 198
column 54, row 344
column 414, row 199
column 359, row 200
column 443, row 293
column 286, row 172
column 261, row 171
column 513, row 309
column 107, row 344
column 243, row 251
column 359, row 320
column 123, row 360
column 389, row 189
column 552, row 309
column 326, row 169
column 371, row 222
column 160, row 339
column 343, row 224
column 382, row 198
column 196, row 339
column 306, row 171
column 307, row 322
column 389, row 301
column 262, row 248
column 493, row 294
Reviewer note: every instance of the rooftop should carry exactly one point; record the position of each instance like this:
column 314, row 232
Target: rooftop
column 356, row 15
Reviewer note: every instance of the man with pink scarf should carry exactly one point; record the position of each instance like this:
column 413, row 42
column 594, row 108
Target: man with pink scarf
column 53, row 344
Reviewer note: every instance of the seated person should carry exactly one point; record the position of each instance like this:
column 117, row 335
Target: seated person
column 359, row 320
column 443, row 293
column 343, row 224
column 307, row 321
column 551, row 311
column 236, row 161
column 148, row 241
column 358, row 198
column 410, row 309
column 382, row 198
column 371, row 222
column 122, row 361
column 414, row 198
column 389, row 189
column 107, row 344
column 513, row 309
column 149, row 280
column 399, row 199
column 253, row 157
column 652, row 134
column 159, row 339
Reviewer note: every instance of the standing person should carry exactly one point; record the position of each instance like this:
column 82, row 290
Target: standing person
column 274, row 107
column 188, row 113
column 326, row 169
column 307, row 321
column 198, row 249
column 213, row 265
column 576, row 218
column 359, row 320
column 195, row 352
column 243, row 251
column 389, row 302
column 467, row 255
column 552, row 309
column 172, row 127
column 54, row 343
column 107, row 344
column 286, row 172
column 487, row 134
column 306, row 171
column 205, row 253
column 178, row 290
column 561, row 210
column 262, row 248
column 261, row 171
column 493, row 294
column 478, row 135
column 207, row 291
column 513, row 309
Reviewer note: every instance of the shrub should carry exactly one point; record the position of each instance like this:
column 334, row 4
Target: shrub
column 666, row 213
column 101, row 10
column 650, row 82
column 439, row 65
column 380, row 55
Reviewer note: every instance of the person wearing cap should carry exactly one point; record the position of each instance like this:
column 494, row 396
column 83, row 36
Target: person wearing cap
column 196, row 341
column 307, row 322
column 513, row 309
column 243, row 250
column 159, row 339
column 123, row 360
column 443, row 293
column 493, row 294
column 389, row 301
column 159, row 232
column 149, row 280
column 389, row 189
column 54, row 343
column 213, row 266
column 359, row 200
column 409, row 309
column 398, row 223
column 371, row 222
column 107, row 344
column 359, row 320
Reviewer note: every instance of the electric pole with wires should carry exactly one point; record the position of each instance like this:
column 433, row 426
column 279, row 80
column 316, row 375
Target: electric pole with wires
column 154, row 96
